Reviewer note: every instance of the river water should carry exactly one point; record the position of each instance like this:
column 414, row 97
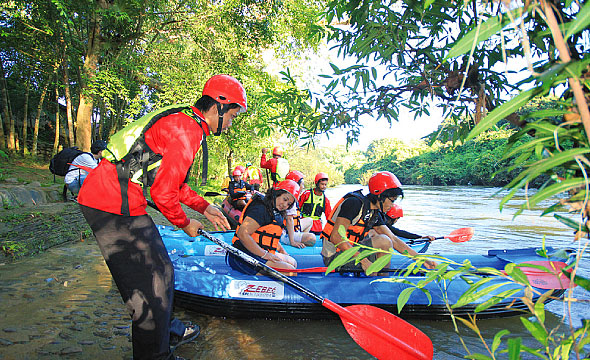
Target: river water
column 63, row 304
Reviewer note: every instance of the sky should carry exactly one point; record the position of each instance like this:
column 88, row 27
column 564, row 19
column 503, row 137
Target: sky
column 306, row 71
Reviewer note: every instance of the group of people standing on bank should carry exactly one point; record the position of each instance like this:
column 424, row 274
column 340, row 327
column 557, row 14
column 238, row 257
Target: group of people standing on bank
column 157, row 152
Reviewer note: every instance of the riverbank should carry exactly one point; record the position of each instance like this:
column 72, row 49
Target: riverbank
column 58, row 297
column 34, row 217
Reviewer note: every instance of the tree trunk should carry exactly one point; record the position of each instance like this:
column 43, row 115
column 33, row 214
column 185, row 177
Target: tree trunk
column 26, row 115
column 37, row 119
column 70, row 124
column 2, row 140
column 10, row 144
column 12, row 141
column 56, row 140
column 99, row 129
column 84, row 117
column 6, row 118
column 229, row 162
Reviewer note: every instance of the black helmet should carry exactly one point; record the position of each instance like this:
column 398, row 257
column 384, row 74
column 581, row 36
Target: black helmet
column 97, row 146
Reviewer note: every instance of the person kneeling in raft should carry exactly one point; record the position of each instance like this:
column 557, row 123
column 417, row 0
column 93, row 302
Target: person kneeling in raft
column 359, row 214
column 260, row 228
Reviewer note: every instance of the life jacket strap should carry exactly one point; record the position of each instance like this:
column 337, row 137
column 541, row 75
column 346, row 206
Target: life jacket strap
column 205, row 158
column 145, row 157
column 123, row 177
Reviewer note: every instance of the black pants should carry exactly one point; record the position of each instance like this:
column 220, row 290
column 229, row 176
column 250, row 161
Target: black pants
column 140, row 265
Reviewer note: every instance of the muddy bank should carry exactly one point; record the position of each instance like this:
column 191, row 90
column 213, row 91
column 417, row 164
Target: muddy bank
column 30, row 226
column 63, row 304
column 58, row 298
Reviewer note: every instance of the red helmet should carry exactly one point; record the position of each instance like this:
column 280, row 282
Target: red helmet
column 237, row 172
column 295, row 175
column 381, row 181
column 277, row 151
column 395, row 212
column 241, row 168
column 226, row 89
column 290, row 186
column 321, row 176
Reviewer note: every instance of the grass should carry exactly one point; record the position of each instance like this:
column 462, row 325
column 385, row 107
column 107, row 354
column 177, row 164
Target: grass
column 26, row 170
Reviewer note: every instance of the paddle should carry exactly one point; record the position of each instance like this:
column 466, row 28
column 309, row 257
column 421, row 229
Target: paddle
column 213, row 193
column 459, row 235
column 546, row 274
column 379, row 332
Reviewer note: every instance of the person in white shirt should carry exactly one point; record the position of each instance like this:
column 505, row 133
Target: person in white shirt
column 75, row 176
column 292, row 234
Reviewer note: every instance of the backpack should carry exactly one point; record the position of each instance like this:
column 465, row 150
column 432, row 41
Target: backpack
column 60, row 163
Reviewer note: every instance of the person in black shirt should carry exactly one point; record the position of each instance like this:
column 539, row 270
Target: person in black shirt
column 393, row 216
column 237, row 190
column 359, row 214
column 260, row 229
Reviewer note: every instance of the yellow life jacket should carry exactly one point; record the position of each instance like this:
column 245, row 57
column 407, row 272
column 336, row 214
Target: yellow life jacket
column 253, row 174
column 314, row 206
column 267, row 236
column 135, row 160
column 280, row 172
column 225, row 185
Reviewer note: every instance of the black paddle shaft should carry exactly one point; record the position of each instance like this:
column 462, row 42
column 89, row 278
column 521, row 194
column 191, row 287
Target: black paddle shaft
column 252, row 261
column 249, row 259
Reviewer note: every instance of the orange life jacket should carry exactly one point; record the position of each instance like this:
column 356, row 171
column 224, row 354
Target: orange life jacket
column 239, row 186
column 267, row 236
column 357, row 230
column 296, row 221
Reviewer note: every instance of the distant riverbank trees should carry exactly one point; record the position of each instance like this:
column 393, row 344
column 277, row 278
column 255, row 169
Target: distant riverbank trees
column 477, row 162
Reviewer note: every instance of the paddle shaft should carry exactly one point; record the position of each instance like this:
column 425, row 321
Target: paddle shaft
column 213, row 193
column 341, row 311
column 254, row 262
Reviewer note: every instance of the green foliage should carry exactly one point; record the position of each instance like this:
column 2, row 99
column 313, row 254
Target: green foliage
column 477, row 162
column 12, row 249
column 154, row 53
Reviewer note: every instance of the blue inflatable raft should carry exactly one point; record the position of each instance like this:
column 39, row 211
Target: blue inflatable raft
column 206, row 284
column 199, row 246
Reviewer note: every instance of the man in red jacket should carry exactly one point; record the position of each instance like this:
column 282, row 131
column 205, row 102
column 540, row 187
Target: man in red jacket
column 278, row 166
column 113, row 202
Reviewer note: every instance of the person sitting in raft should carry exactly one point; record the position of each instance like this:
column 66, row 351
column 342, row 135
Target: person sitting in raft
column 358, row 214
column 278, row 166
column 314, row 203
column 225, row 184
column 237, row 190
column 253, row 176
column 260, row 228
column 292, row 234
column 393, row 216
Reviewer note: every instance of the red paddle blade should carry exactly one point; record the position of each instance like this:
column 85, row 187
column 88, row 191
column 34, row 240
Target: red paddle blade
column 461, row 235
column 383, row 334
column 554, row 279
